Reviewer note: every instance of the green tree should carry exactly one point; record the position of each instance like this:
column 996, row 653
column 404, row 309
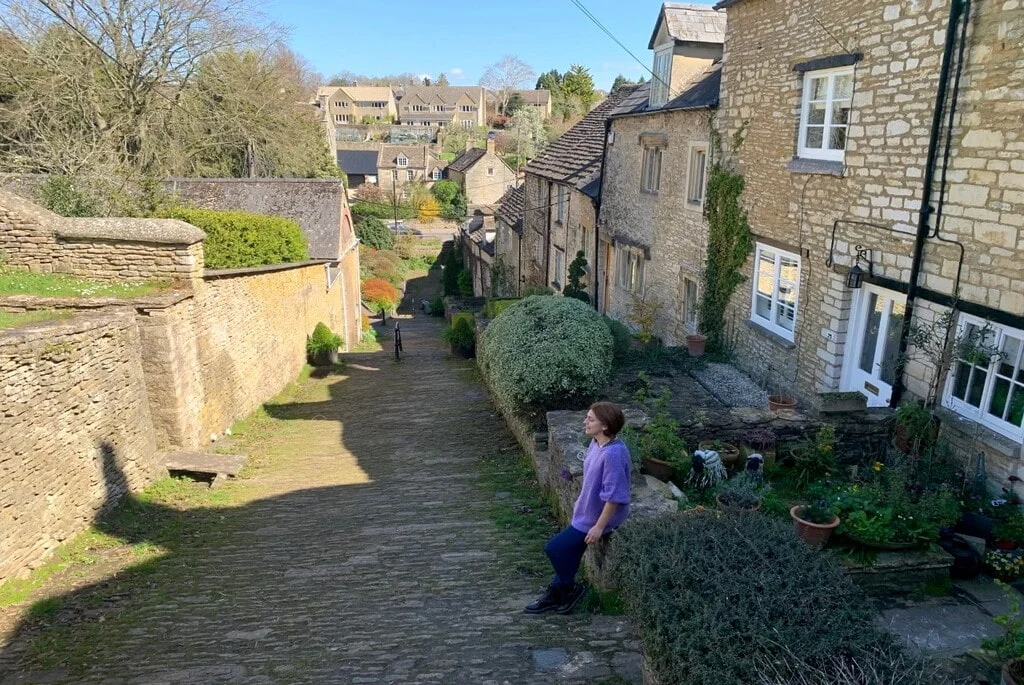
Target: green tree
column 426, row 81
column 621, row 82
column 442, row 81
column 575, row 287
column 445, row 191
column 528, row 128
column 550, row 80
column 578, row 85
column 514, row 104
column 374, row 233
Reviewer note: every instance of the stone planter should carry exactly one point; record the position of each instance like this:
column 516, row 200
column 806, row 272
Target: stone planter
column 842, row 402
column 729, row 453
column 814, row 534
column 696, row 344
column 322, row 359
column 780, row 402
column 661, row 470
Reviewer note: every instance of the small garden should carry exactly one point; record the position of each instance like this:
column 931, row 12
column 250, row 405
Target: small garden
column 19, row 282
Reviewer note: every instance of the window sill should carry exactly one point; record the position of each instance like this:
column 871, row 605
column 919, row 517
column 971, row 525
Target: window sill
column 694, row 206
column 648, row 192
column 824, row 167
column 771, row 335
column 984, row 434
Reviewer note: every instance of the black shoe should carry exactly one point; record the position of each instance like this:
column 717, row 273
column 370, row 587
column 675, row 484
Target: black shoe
column 570, row 599
column 552, row 598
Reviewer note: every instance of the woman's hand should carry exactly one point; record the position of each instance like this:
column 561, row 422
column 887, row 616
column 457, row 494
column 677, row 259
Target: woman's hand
column 594, row 534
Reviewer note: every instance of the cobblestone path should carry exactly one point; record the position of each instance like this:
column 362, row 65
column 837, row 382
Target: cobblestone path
column 360, row 551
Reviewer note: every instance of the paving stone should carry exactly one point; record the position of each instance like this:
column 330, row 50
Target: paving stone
column 549, row 659
column 941, row 629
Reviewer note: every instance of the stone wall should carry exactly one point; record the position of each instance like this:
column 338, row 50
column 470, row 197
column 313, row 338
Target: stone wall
column 75, row 430
column 672, row 229
column 213, row 358
column 795, row 206
column 104, row 249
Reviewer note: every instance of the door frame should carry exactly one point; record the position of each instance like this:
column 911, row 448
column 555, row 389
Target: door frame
column 855, row 340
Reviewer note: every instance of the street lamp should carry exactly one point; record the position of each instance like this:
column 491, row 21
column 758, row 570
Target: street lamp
column 855, row 278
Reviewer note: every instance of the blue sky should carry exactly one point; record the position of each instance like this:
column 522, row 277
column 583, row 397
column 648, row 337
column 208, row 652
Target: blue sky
column 463, row 37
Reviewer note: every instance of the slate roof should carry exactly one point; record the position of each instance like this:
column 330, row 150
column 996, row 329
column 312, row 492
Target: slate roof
column 510, row 208
column 466, row 159
column 447, row 94
column 359, row 162
column 690, row 23
column 416, row 154
column 575, row 158
column 367, row 93
column 702, row 94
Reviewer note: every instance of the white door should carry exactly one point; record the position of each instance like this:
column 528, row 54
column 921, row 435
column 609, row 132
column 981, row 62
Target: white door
column 870, row 363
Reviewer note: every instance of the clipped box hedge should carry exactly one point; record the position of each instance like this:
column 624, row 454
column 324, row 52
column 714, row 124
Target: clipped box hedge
column 237, row 240
column 468, row 316
column 494, row 307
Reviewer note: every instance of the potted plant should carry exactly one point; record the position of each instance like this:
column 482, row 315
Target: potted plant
column 727, row 452
column 1009, row 531
column 761, row 441
column 1010, row 645
column 842, row 402
column 814, row 523
column 916, row 428
column 322, row 346
column 462, row 338
column 815, row 460
column 1013, row 672
column 780, row 402
column 741, row 493
column 696, row 344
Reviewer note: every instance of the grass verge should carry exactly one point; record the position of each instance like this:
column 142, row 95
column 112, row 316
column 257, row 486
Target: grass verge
column 12, row 319
column 16, row 282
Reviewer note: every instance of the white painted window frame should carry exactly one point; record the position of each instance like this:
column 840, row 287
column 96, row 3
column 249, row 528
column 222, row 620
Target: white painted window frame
column 822, row 153
column 694, row 148
column 691, row 322
column 650, row 175
column 769, row 323
column 402, row 161
column 980, row 414
column 661, row 75
column 561, row 203
column 629, row 268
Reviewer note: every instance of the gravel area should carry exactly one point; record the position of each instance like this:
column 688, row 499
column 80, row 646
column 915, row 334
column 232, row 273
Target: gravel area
column 730, row 386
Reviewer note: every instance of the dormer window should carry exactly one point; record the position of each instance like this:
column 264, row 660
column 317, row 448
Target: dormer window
column 662, row 76
column 402, row 161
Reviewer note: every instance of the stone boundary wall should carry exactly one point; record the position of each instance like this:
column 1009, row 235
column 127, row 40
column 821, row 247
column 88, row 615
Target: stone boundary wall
column 106, row 249
column 75, row 430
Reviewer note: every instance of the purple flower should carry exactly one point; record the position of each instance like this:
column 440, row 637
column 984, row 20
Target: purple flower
column 566, row 476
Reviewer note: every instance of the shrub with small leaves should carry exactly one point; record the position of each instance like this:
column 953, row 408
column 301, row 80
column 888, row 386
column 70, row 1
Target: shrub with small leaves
column 621, row 337
column 704, row 590
column 323, row 340
column 465, row 282
column 374, row 233
column 382, row 264
column 236, row 240
column 547, row 353
column 380, row 295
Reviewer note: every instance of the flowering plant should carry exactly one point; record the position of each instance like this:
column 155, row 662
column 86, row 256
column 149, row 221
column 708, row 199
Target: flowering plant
column 1004, row 565
column 891, row 510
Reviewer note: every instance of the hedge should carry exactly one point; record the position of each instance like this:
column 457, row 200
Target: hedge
column 547, row 353
column 494, row 307
column 620, row 335
column 716, row 598
column 374, row 233
column 236, row 240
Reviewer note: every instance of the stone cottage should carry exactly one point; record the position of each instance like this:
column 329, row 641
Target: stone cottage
column 883, row 159
column 482, row 174
column 508, row 225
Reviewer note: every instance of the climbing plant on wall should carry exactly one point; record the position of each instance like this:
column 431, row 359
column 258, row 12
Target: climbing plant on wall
column 729, row 240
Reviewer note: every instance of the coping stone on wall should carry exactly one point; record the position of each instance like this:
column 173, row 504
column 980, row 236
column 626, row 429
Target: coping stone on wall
column 160, row 231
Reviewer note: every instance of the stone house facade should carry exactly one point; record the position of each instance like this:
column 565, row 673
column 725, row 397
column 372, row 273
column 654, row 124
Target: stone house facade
column 401, row 164
column 847, row 135
column 508, row 226
column 442, row 106
column 356, row 104
column 560, row 197
column 482, row 174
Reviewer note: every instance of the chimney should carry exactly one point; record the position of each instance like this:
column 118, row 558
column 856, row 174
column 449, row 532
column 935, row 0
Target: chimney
column 490, row 145
column 323, row 99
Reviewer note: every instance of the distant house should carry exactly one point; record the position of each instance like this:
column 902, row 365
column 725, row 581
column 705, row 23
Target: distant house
column 356, row 104
column 482, row 175
column 401, row 164
column 442, row 106
column 360, row 166
column 538, row 99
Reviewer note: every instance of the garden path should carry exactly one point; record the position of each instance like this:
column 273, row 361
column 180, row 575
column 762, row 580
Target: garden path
column 359, row 550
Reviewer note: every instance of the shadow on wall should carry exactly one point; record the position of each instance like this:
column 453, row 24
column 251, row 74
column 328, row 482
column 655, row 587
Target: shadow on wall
column 226, row 592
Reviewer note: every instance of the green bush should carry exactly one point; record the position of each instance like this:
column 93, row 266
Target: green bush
column 382, row 264
column 236, row 240
column 465, row 282
column 465, row 316
column 323, row 340
column 382, row 211
column 715, row 597
column 538, row 290
column 437, row 306
column 460, row 333
column 621, row 337
column 547, row 352
column 374, row 233
column 494, row 307
column 452, row 269
column 60, row 195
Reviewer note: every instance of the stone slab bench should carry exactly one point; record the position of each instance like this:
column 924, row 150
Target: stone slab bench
column 220, row 466
column 894, row 574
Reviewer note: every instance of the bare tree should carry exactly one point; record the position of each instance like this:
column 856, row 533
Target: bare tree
column 504, row 77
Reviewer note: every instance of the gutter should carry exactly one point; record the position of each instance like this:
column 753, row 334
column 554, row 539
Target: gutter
column 956, row 9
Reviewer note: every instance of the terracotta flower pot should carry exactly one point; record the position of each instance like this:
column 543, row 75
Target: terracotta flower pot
column 696, row 344
column 814, row 534
column 661, row 470
column 778, row 402
column 730, row 509
column 729, row 453
column 1008, row 545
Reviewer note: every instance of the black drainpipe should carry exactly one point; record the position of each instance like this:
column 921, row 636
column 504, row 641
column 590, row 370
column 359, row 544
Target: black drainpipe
column 924, row 220
column 597, row 217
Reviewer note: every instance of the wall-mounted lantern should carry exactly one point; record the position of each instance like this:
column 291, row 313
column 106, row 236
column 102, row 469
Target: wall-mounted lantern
column 855, row 278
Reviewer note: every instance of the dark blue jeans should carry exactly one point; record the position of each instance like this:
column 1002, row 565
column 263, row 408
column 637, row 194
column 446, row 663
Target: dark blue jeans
column 565, row 551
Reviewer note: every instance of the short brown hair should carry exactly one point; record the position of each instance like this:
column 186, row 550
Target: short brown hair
column 610, row 415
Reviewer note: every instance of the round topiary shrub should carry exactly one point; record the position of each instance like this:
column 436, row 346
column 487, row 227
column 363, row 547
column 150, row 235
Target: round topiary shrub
column 719, row 598
column 374, row 233
column 547, row 353
column 621, row 337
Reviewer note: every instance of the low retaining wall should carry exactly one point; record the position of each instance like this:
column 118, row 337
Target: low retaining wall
column 75, row 430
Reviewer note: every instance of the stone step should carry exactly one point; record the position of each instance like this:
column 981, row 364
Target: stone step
column 218, row 465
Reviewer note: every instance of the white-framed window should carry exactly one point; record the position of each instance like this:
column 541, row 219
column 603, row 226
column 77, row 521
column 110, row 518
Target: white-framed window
column 776, row 290
column 410, row 175
column 341, row 103
column 990, row 390
column 825, row 113
column 402, row 161
column 696, row 176
column 339, row 117
column 467, row 108
column 662, row 77
column 467, row 123
column 538, row 251
column 436, row 174
column 440, row 124
column 650, row 177
column 420, row 108
column 490, row 171
column 630, row 268
column 558, row 276
column 690, row 305
column 561, row 202
column 394, row 174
